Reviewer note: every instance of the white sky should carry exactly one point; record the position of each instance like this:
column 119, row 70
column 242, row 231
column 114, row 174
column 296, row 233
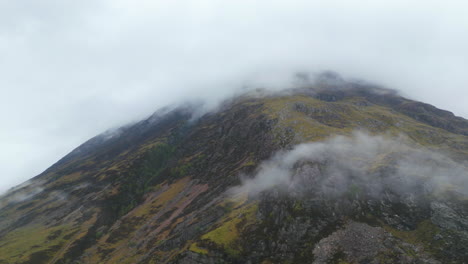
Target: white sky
column 71, row 69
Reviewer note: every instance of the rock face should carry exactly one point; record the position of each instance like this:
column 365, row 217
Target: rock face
column 174, row 189
column 357, row 242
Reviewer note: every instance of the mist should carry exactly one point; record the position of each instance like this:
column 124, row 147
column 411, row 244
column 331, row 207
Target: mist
column 25, row 191
column 73, row 69
column 360, row 163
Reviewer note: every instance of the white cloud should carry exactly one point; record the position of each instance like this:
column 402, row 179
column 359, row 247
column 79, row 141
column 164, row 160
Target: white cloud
column 71, row 69
column 377, row 165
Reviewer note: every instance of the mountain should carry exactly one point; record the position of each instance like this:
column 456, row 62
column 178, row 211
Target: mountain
column 332, row 172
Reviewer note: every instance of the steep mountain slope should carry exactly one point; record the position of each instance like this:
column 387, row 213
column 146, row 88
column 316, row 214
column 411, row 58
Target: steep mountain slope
column 172, row 189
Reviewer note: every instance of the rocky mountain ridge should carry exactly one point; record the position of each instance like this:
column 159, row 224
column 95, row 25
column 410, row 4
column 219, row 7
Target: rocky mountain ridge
column 170, row 189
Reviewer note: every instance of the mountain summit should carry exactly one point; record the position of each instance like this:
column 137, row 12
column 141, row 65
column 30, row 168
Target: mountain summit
column 332, row 172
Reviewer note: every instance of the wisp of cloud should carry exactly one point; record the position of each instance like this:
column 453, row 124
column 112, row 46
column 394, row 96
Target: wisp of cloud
column 370, row 164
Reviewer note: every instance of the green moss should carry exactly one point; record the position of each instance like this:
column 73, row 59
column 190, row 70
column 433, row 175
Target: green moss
column 181, row 170
column 249, row 163
column 195, row 248
column 425, row 231
column 19, row 245
column 227, row 233
column 423, row 235
column 323, row 119
column 298, row 206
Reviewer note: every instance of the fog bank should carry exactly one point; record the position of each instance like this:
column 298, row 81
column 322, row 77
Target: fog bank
column 72, row 69
column 374, row 165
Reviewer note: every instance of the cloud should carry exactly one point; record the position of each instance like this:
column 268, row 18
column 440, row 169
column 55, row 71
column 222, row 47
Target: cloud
column 72, row 69
column 34, row 190
column 370, row 165
column 22, row 192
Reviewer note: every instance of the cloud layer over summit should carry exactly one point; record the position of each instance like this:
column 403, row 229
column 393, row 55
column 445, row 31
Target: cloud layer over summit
column 71, row 69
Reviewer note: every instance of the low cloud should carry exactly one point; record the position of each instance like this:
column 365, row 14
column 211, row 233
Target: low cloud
column 360, row 164
column 34, row 189
column 72, row 69
column 22, row 192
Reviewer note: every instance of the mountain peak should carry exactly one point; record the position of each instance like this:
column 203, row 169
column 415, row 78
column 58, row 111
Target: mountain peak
column 333, row 171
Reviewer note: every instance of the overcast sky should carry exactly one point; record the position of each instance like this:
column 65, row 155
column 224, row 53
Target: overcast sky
column 72, row 69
